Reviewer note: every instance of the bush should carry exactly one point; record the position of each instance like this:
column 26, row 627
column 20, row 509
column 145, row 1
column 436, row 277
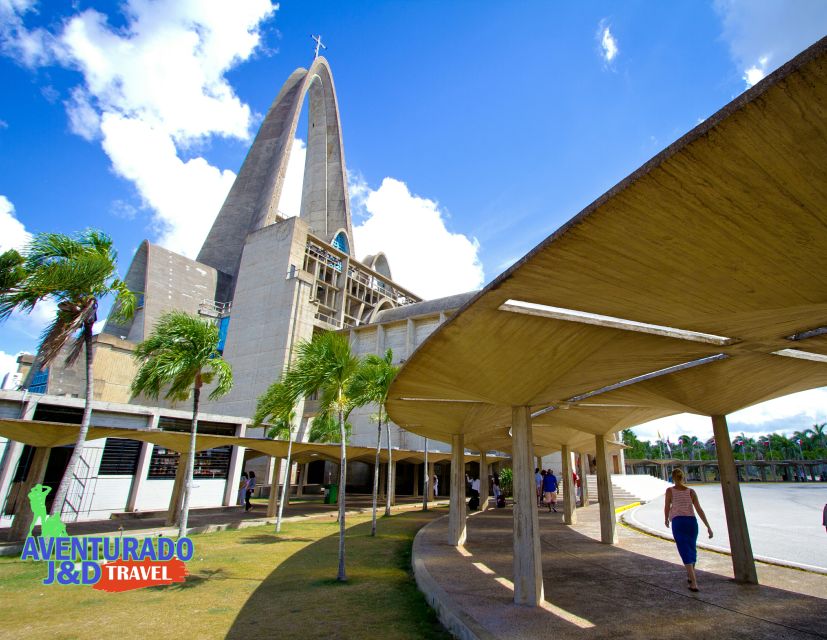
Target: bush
column 506, row 481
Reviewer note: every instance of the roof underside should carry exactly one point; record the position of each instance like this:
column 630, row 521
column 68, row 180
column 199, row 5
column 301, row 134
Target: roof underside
column 724, row 233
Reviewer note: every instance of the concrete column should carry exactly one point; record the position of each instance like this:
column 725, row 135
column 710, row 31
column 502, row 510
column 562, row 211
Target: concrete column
column 431, row 481
column 483, row 481
column 743, row 563
column 23, row 515
column 392, row 471
column 236, row 467
column 302, row 479
column 569, row 513
column 457, row 513
column 273, row 500
column 608, row 532
column 415, row 480
column 141, row 472
column 584, row 479
column 383, row 478
column 528, row 561
column 175, row 500
column 410, row 338
column 11, row 458
column 539, row 462
column 763, row 470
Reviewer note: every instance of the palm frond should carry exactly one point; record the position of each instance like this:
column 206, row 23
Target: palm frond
column 274, row 404
column 12, row 272
column 180, row 348
column 324, row 428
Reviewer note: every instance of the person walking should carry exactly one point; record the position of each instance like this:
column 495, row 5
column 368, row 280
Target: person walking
column 436, row 486
column 251, row 484
column 679, row 509
column 242, row 488
column 550, row 490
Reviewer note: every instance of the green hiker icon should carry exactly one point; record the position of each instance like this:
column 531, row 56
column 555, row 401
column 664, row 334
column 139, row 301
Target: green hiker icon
column 50, row 526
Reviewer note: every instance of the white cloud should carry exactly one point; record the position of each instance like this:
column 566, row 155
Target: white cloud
column 424, row 255
column 764, row 34
column 794, row 412
column 153, row 88
column 291, row 193
column 13, row 234
column 186, row 196
column 608, row 44
column 29, row 48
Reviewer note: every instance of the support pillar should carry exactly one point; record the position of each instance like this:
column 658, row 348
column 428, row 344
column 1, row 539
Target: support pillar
column 415, row 480
column 569, row 512
column 141, row 471
column 11, row 458
column 608, row 530
column 273, row 499
column 431, row 471
column 584, row 479
column 23, row 515
column 743, row 563
column 177, row 497
column 528, row 562
column 483, row 481
column 392, row 471
column 302, row 479
column 457, row 512
column 383, row 478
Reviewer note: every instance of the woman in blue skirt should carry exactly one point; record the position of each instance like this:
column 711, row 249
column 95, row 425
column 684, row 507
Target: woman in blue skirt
column 680, row 508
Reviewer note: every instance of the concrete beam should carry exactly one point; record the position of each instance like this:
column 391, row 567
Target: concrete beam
column 608, row 525
column 457, row 513
column 569, row 509
column 743, row 563
column 528, row 562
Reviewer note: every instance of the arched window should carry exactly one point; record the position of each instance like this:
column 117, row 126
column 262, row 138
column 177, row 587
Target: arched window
column 340, row 242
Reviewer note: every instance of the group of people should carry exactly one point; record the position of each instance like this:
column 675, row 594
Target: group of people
column 245, row 489
column 547, row 487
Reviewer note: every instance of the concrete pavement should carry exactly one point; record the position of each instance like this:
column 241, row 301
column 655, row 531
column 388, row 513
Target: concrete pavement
column 784, row 520
column 636, row 589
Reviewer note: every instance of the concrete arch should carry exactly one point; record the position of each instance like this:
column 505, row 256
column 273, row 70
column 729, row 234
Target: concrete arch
column 379, row 263
column 254, row 197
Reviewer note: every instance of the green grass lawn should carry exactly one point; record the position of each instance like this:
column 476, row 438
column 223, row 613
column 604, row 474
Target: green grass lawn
column 244, row 584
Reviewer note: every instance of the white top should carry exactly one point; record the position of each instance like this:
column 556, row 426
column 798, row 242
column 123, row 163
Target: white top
column 475, row 484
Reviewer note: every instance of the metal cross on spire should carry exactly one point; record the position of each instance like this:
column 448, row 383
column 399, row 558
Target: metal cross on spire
column 318, row 40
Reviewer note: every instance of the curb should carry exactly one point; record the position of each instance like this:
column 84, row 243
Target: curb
column 458, row 623
column 633, row 523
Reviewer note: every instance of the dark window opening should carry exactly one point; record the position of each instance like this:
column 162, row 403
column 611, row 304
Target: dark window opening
column 120, row 457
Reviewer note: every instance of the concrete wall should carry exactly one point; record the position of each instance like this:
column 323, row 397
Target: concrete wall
column 270, row 313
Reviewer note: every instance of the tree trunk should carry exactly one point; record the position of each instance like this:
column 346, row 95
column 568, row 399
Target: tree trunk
column 341, row 577
column 391, row 478
column 185, row 508
column 66, row 480
column 376, row 474
column 286, row 485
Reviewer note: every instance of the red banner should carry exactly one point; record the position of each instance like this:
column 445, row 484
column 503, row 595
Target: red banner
column 125, row 575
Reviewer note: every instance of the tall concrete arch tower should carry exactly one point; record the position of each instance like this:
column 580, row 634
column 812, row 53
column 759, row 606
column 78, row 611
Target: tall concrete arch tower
column 253, row 201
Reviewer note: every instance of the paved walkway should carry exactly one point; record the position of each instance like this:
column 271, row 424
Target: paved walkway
column 636, row 589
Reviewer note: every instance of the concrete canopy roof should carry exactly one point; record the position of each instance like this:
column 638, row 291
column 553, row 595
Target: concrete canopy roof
column 56, row 434
column 723, row 233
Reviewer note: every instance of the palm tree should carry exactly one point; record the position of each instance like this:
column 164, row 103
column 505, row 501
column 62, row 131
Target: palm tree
column 370, row 384
column 182, row 356
column 327, row 364
column 325, row 428
column 76, row 273
column 12, row 271
column 818, row 434
column 276, row 404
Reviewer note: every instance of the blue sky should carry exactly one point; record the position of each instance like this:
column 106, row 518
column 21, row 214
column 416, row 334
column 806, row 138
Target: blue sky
column 472, row 129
